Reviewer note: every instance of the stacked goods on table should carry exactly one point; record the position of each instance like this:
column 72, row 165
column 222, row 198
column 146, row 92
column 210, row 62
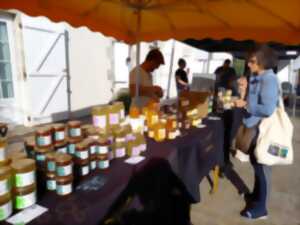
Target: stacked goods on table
column 17, row 180
column 65, row 153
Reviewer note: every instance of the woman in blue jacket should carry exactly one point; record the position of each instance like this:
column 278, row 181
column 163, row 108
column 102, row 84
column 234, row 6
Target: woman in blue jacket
column 261, row 101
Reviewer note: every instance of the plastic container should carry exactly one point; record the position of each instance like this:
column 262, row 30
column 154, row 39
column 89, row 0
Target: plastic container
column 24, row 197
column 100, row 116
column 5, row 206
column 64, row 165
column 51, row 181
column 3, row 144
column 61, row 147
column 74, row 129
column 43, row 137
column 59, row 133
column 82, row 151
column 5, row 180
column 64, row 185
column 103, row 162
column 51, row 162
column 23, row 172
column 119, row 150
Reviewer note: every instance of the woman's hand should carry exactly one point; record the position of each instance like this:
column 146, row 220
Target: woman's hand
column 242, row 83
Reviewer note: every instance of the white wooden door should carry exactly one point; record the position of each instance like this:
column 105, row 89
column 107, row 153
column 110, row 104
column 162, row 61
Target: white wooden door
column 46, row 69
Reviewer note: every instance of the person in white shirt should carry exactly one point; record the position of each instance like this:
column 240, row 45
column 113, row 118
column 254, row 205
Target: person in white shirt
column 147, row 91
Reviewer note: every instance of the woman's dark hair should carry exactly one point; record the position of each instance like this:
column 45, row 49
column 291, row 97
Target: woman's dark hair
column 266, row 56
column 181, row 61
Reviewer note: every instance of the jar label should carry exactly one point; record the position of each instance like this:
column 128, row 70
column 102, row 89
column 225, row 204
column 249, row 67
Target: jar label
column 93, row 149
column 25, row 200
column 93, row 165
column 84, row 170
column 99, row 121
column 122, row 114
column 5, row 210
column 62, row 150
column 64, row 189
column 162, row 133
column 120, row 152
column 2, row 154
column 25, row 179
column 4, row 186
column 120, row 140
column 64, row 170
column 82, row 154
column 102, row 150
column 59, row 136
column 143, row 147
column 51, row 185
column 51, row 166
column 103, row 164
column 40, row 157
column 44, row 140
column 71, row 149
column 130, row 137
column 75, row 132
column 114, row 118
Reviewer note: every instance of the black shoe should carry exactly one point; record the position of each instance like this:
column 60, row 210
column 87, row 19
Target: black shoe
column 249, row 197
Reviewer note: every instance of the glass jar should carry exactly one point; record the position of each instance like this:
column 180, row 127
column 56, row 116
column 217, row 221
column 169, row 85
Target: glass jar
column 23, row 172
column 40, row 156
column 82, row 167
column 74, row 129
column 103, row 162
column 50, row 161
column 61, row 147
column 120, row 107
column 119, row 150
column 133, row 148
column 93, row 162
column 72, row 145
column 64, row 185
column 51, row 181
column 82, row 151
column 24, row 197
column 43, row 137
column 30, row 146
column 5, row 180
column 5, row 206
column 64, row 165
column 160, row 133
column 114, row 116
column 100, row 116
column 3, row 144
column 59, row 133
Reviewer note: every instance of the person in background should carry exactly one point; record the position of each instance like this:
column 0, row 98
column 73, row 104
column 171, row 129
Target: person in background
column 262, row 99
column 147, row 91
column 226, row 77
column 181, row 76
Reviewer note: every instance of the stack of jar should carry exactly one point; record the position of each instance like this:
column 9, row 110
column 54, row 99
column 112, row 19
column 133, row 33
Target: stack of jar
column 75, row 135
column 43, row 145
column 24, row 183
column 59, row 138
column 59, row 173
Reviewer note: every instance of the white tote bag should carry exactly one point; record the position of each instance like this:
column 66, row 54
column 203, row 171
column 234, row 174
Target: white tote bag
column 274, row 143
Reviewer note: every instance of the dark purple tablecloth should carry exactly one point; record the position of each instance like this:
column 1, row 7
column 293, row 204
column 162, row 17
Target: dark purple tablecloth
column 191, row 157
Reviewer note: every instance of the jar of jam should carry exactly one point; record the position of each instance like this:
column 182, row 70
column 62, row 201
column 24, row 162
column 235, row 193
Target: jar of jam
column 103, row 162
column 5, row 206
column 103, row 145
column 5, row 180
column 61, row 147
column 133, row 148
column 120, row 107
column 74, row 129
column 51, row 181
column 119, row 150
column 23, row 172
column 43, row 137
column 82, row 167
column 3, row 144
column 59, row 133
column 64, row 165
column 160, row 133
column 50, row 161
column 82, row 151
column 100, row 116
column 24, row 197
column 72, row 145
column 30, row 146
column 93, row 162
column 114, row 116
column 64, row 185
column 40, row 156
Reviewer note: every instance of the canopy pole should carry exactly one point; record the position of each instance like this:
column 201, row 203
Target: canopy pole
column 171, row 69
column 138, row 51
